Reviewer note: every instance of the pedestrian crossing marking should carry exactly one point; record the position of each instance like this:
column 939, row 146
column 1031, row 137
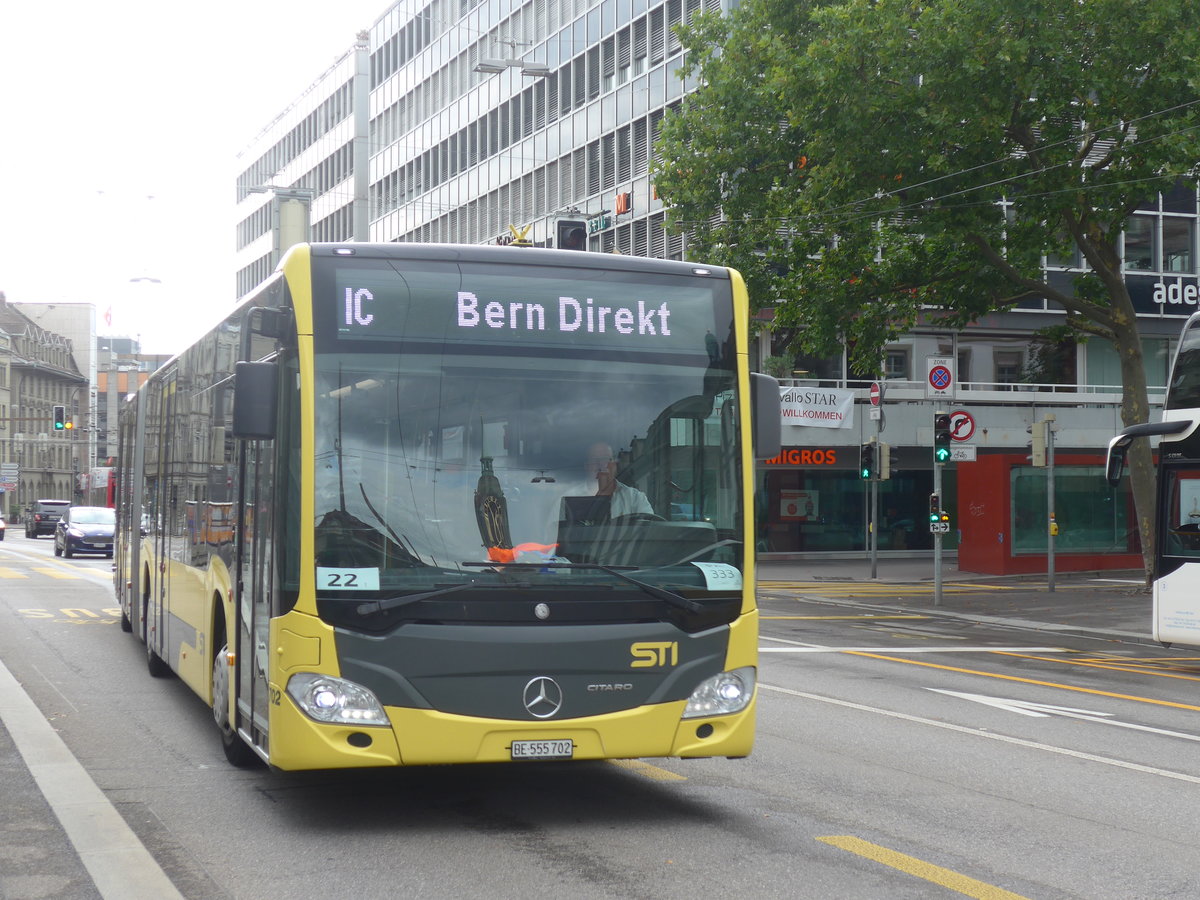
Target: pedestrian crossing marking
column 11, row 573
column 57, row 573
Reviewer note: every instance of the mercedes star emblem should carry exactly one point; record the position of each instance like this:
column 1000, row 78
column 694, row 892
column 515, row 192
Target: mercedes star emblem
column 543, row 697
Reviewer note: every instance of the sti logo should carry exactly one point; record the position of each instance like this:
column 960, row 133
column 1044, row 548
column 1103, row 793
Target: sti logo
column 651, row 654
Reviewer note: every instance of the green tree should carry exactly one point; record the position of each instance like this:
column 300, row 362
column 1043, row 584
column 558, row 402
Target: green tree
column 870, row 164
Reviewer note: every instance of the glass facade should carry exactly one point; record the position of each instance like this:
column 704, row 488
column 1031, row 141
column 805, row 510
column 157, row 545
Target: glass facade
column 1090, row 519
column 816, row 510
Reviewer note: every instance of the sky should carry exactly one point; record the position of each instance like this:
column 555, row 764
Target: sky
column 120, row 128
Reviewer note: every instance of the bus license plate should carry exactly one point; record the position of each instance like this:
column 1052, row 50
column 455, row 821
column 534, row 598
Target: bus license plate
column 542, row 749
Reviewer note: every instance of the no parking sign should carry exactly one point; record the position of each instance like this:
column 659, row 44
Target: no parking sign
column 939, row 376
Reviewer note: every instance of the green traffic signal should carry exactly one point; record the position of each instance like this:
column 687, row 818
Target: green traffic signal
column 941, row 437
column 866, row 461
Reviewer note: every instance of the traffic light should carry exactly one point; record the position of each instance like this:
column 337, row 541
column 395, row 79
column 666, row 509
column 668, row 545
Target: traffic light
column 885, row 461
column 866, row 461
column 60, row 418
column 941, row 437
column 935, row 508
column 1038, row 443
column 570, row 234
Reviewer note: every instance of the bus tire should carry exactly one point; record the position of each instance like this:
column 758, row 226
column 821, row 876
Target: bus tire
column 237, row 751
column 126, row 624
column 155, row 664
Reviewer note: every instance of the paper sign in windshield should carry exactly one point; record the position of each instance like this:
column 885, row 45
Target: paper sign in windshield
column 720, row 576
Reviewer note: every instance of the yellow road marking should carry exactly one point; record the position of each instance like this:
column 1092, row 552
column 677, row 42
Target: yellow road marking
column 910, row 865
column 649, row 771
column 1112, row 667
column 56, row 573
column 827, row 618
column 1065, row 687
column 12, row 573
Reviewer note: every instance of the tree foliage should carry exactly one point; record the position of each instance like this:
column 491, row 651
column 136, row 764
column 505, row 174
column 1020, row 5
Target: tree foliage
column 863, row 161
column 871, row 164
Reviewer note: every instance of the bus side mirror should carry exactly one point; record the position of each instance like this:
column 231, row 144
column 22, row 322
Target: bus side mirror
column 1115, row 463
column 255, row 400
column 765, row 416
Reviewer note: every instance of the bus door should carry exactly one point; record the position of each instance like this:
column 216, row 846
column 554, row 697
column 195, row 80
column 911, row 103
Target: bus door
column 169, row 509
column 255, row 585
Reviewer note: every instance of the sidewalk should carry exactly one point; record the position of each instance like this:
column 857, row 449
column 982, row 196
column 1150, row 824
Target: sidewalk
column 1112, row 605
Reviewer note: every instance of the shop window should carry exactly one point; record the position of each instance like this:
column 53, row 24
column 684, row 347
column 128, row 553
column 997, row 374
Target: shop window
column 1089, row 520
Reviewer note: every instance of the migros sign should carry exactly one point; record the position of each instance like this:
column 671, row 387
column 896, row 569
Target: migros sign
column 796, row 456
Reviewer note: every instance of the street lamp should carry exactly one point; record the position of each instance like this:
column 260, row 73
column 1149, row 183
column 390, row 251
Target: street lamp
column 494, row 65
column 291, row 214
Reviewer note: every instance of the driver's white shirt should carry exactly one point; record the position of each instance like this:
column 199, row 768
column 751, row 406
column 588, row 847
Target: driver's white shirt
column 628, row 501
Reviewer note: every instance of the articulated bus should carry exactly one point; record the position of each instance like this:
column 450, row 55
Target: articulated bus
column 419, row 504
column 1176, row 576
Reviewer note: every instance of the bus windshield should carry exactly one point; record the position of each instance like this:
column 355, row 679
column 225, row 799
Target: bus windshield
column 436, row 464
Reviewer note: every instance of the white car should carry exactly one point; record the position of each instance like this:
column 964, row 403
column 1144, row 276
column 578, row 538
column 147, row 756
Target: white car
column 1, row 526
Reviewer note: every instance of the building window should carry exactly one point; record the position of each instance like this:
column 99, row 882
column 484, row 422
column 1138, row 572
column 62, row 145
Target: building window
column 896, row 363
column 1139, row 245
column 1008, row 366
column 1179, row 241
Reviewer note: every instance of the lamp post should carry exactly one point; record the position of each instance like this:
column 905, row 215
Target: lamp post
column 291, row 217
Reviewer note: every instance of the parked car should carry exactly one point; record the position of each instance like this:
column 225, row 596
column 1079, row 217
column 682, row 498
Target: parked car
column 85, row 529
column 1, row 526
column 43, row 515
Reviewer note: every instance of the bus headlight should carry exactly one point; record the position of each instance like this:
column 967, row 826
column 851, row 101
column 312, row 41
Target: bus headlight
column 335, row 700
column 722, row 694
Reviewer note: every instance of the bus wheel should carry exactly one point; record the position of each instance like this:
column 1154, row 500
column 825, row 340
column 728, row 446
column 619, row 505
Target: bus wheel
column 155, row 664
column 236, row 750
column 126, row 624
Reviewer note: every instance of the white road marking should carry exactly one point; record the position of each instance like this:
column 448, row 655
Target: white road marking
column 1044, row 710
column 801, row 647
column 991, row 736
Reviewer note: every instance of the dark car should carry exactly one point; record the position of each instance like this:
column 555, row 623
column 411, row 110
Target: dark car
column 85, row 529
column 43, row 515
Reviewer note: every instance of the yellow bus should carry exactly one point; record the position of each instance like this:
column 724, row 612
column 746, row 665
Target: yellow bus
column 414, row 504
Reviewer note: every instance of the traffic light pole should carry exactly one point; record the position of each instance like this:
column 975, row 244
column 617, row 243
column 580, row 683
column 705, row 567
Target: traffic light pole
column 874, row 526
column 1052, row 525
column 937, row 539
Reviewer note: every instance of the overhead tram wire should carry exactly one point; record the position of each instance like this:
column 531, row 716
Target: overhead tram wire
column 857, row 204
column 916, row 205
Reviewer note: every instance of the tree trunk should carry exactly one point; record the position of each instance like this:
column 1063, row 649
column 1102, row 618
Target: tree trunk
column 1135, row 409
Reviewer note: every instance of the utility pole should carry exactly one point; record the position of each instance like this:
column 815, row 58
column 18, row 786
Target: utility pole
column 939, row 522
column 1042, row 456
column 876, row 412
column 1052, row 525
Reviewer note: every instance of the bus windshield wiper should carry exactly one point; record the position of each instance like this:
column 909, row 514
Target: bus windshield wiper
column 618, row 572
column 703, row 550
column 405, row 599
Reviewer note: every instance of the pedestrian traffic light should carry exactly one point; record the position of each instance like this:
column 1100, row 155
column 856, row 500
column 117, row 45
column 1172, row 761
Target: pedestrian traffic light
column 885, row 461
column 866, row 461
column 570, row 234
column 60, row 418
column 941, row 437
column 935, row 507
